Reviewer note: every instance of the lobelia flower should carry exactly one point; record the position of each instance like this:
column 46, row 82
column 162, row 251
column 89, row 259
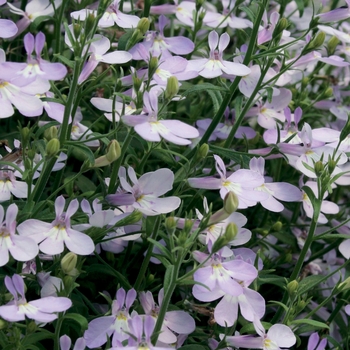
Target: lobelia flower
column 21, row 248
column 144, row 193
column 156, row 44
column 214, row 66
column 277, row 337
column 18, row 92
column 314, row 342
column 141, row 329
column 335, row 15
column 57, row 234
column 33, row 10
column 226, row 17
column 221, row 276
column 242, row 182
column 112, row 16
column 280, row 190
column 116, row 325
column 9, row 185
column 177, row 321
column 265, row 32
column 65, row 343
column 7, row 28
column 41, row 310
column 151, row 129
column 97, row 50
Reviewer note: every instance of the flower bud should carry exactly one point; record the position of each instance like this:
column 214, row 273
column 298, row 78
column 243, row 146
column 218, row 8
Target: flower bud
column 300, row 306
column 3, row 324
column 332, row 45
column 133, row 218
column 319, row 168
column 30, row 155
column 31, row 327
column 280, row 27
column 317, row 41
column 143, row 25
column 188, row 226
column 305, row 82
column 137, row 82
column 231, row 202
column 182, row 239
column 152, row 66
column 231, row 232
column 203, row 151
column 135, row 38
column 345, row 131
column 331, row 165
column 170, row 225
column 25, row 134
column 69, row 263
column 69, row 284
column 113, row 151
column 89, row 23
column 51, row 133
column 344, row 285
column 277, row 226
column 328, row 92
column 77, row 30
column 52, row 147
column 172, row 88
column 292, row 288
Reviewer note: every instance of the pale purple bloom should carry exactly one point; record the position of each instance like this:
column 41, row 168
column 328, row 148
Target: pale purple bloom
column 141, row 329
column 21, row 248
column 9, row 185
column 335, row 15
column 41, row 310
column 18, row 92
column 65, row 343
column 36, row 67
column 105, row 104
column 226, row 17
column 97, row 51
column 156, row 44
column 327, row 207
column 57, row 234
column 112, row 16
column 151, row 129
column 270, row 113
column 50, row 285
column 7, row 28
column 34, row 9
column 143, row 194
column 280, row 190
column 215, row 65
column 277, row 337
column 265, row 32
column 221, row 276
column 116, row 325
column 347, row 310
column 177, row 321
column 314, row 342
column 242, row 182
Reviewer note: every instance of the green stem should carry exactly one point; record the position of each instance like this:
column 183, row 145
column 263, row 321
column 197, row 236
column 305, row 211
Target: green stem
column 147, row 258
column 301, row 258
column 146, row 8
column 57, row 332
column 167, row 297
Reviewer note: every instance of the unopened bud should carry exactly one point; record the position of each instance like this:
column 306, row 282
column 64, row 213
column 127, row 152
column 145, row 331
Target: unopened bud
column 345, row 131
column 188, row 226
column 89, row 23
column 231, row 202
column 113, row 151
column 328, row 92
column 3, row 324
column 143, row 25
column 25, row 134
column 51, row 133
column 332, row 45
column 69, row 263
column 280, row 27
column 135, row 38
column 203, row 151
column 77, row 30
column 136, row 83
column 288, row 258
column 319, row 168
column 172, row 88
column 317, row 41
column 277, row 226
column 31, row 154
column 170, row 225
column 344, row 285
column 150, row 279
column 152, row 66
column 300, row 306
column 31, row 327
column 305, row 82
column 52, row 147
column 231, row 232
column 331, row 165
column 69, row 283
column 182, row 239
column 292, row 288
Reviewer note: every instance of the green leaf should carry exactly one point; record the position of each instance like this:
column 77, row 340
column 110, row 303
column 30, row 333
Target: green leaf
column 81, row 320
column 274, row 302
column 272, row 279
column 163, row 249
column 203, row 87
column 300, row 6
column 65, row 60
column 249, row 328
column 313, row 323
column 124, row 39
column 192, row 347
column 82, row 152
column 237, row 157
column 85, row 184
column 37, row 337
column 310, row 282
column 216, row 98
column 169, row 274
